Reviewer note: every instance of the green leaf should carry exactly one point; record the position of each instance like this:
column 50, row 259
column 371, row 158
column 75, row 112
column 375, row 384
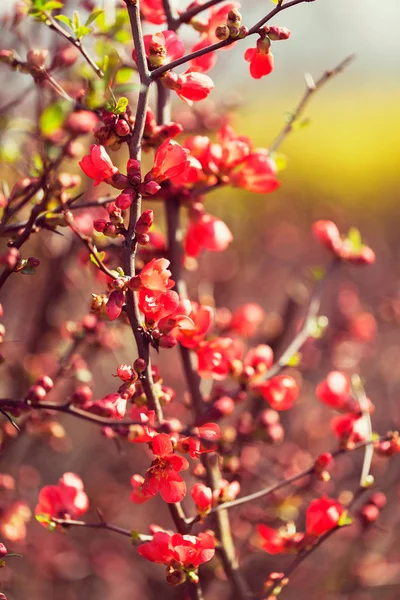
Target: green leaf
column 121, row 105
column 76, row 20
column 82, row 31
column 294, row 361
column 345, row 519
column 52, row 118
column 66, row 20
column 52, row 5
column 93, row 16
column 135, row 536
column 110, row 68
column 279, row 160
column 100, row 255
column 124, row 75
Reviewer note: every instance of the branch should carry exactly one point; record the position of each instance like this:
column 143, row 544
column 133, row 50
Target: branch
column 311, row 87
column 305, row 331
column 55, row 26
column 188, row 15
column 284, row 482
column 359, row 394
column 213, row 47
column 135, row 537
column 88, row 243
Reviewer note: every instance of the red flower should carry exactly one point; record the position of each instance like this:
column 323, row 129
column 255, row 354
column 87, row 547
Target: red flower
column 162, row 48
column 257, row 173
column 153, row 11
column 163, row 475
column 188, row 551
column 280, row 391
column 217, row 357
column 170, row 160
column 350, row 248
column 350, row 428
column 201, row 317
column 190, row 86
column 98, row 165
column 208, row 435
column 207, row 233
column 202, row 497
column 247, row 319
column 335, row 390
column 65, row 500
column 137, row 496
column 155, row 276
column 272, row 541
column 259, row 358
column 157, row 305
column 260, row 58
column 323, row 515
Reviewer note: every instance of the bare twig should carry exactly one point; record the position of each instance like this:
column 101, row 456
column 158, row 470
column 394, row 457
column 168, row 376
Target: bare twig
column 311, row 87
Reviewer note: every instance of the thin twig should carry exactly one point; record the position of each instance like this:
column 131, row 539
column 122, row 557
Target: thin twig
column 311, row 87
column 134, row 536
column 361, row 397
column 55, row 26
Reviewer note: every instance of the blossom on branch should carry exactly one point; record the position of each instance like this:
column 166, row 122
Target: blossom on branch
column 98, row 165
column 67, row 500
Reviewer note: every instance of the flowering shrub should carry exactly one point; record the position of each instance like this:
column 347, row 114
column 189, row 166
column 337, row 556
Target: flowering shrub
column 199, row 442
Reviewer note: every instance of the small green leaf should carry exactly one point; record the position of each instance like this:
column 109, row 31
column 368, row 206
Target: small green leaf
column 121, row 105
column 345, row 519
column 288, row 117
column 82, row 31
column 294, row 361
column 124, row 75
column 100, row 256
column 93, row 16
column 279, row 160
column 66, row 20
column 76, row 20
column 135, row 536
column 52, row 5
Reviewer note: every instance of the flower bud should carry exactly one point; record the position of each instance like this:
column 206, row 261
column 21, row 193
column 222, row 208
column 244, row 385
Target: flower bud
column 36, row 393
column 37, row 58
column 81, row 122
column 122, row 128
column 278, row 33
column 139, row 365
column 45, row 382
column 99, row 225
column 3, row 550
column 222, row 32
column 144, row 222
column 65, row 57
column 167, row 341
column 82, row 395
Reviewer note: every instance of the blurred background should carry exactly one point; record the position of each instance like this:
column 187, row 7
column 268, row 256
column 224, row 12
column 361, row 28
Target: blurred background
column 342, row 166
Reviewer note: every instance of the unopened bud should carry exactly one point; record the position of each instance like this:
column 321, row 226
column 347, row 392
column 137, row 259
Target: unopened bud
column 122, row 128
column 139, row 365
column 37, row 58
column 222, row 32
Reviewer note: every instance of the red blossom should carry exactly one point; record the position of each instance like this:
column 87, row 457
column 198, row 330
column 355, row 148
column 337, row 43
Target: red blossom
column 155, row 276
column 153, row 11
column 335, row 390
column 67, row 500
column 323, row 515
column 184, row 551
column 205, row 439
column 280, row 391
column 98, row 165
column 207, row 233
column 161, row 48
column 201, row 317
column 260, row 58
column 257, row 174
column 202, row 497
column 163, row 475
column 217, row 357
column 271, row 539
column 259, row 358
column 247, row 319
column 190, row 86
column 170, row 160
column 157, row 305
column 114, row 304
